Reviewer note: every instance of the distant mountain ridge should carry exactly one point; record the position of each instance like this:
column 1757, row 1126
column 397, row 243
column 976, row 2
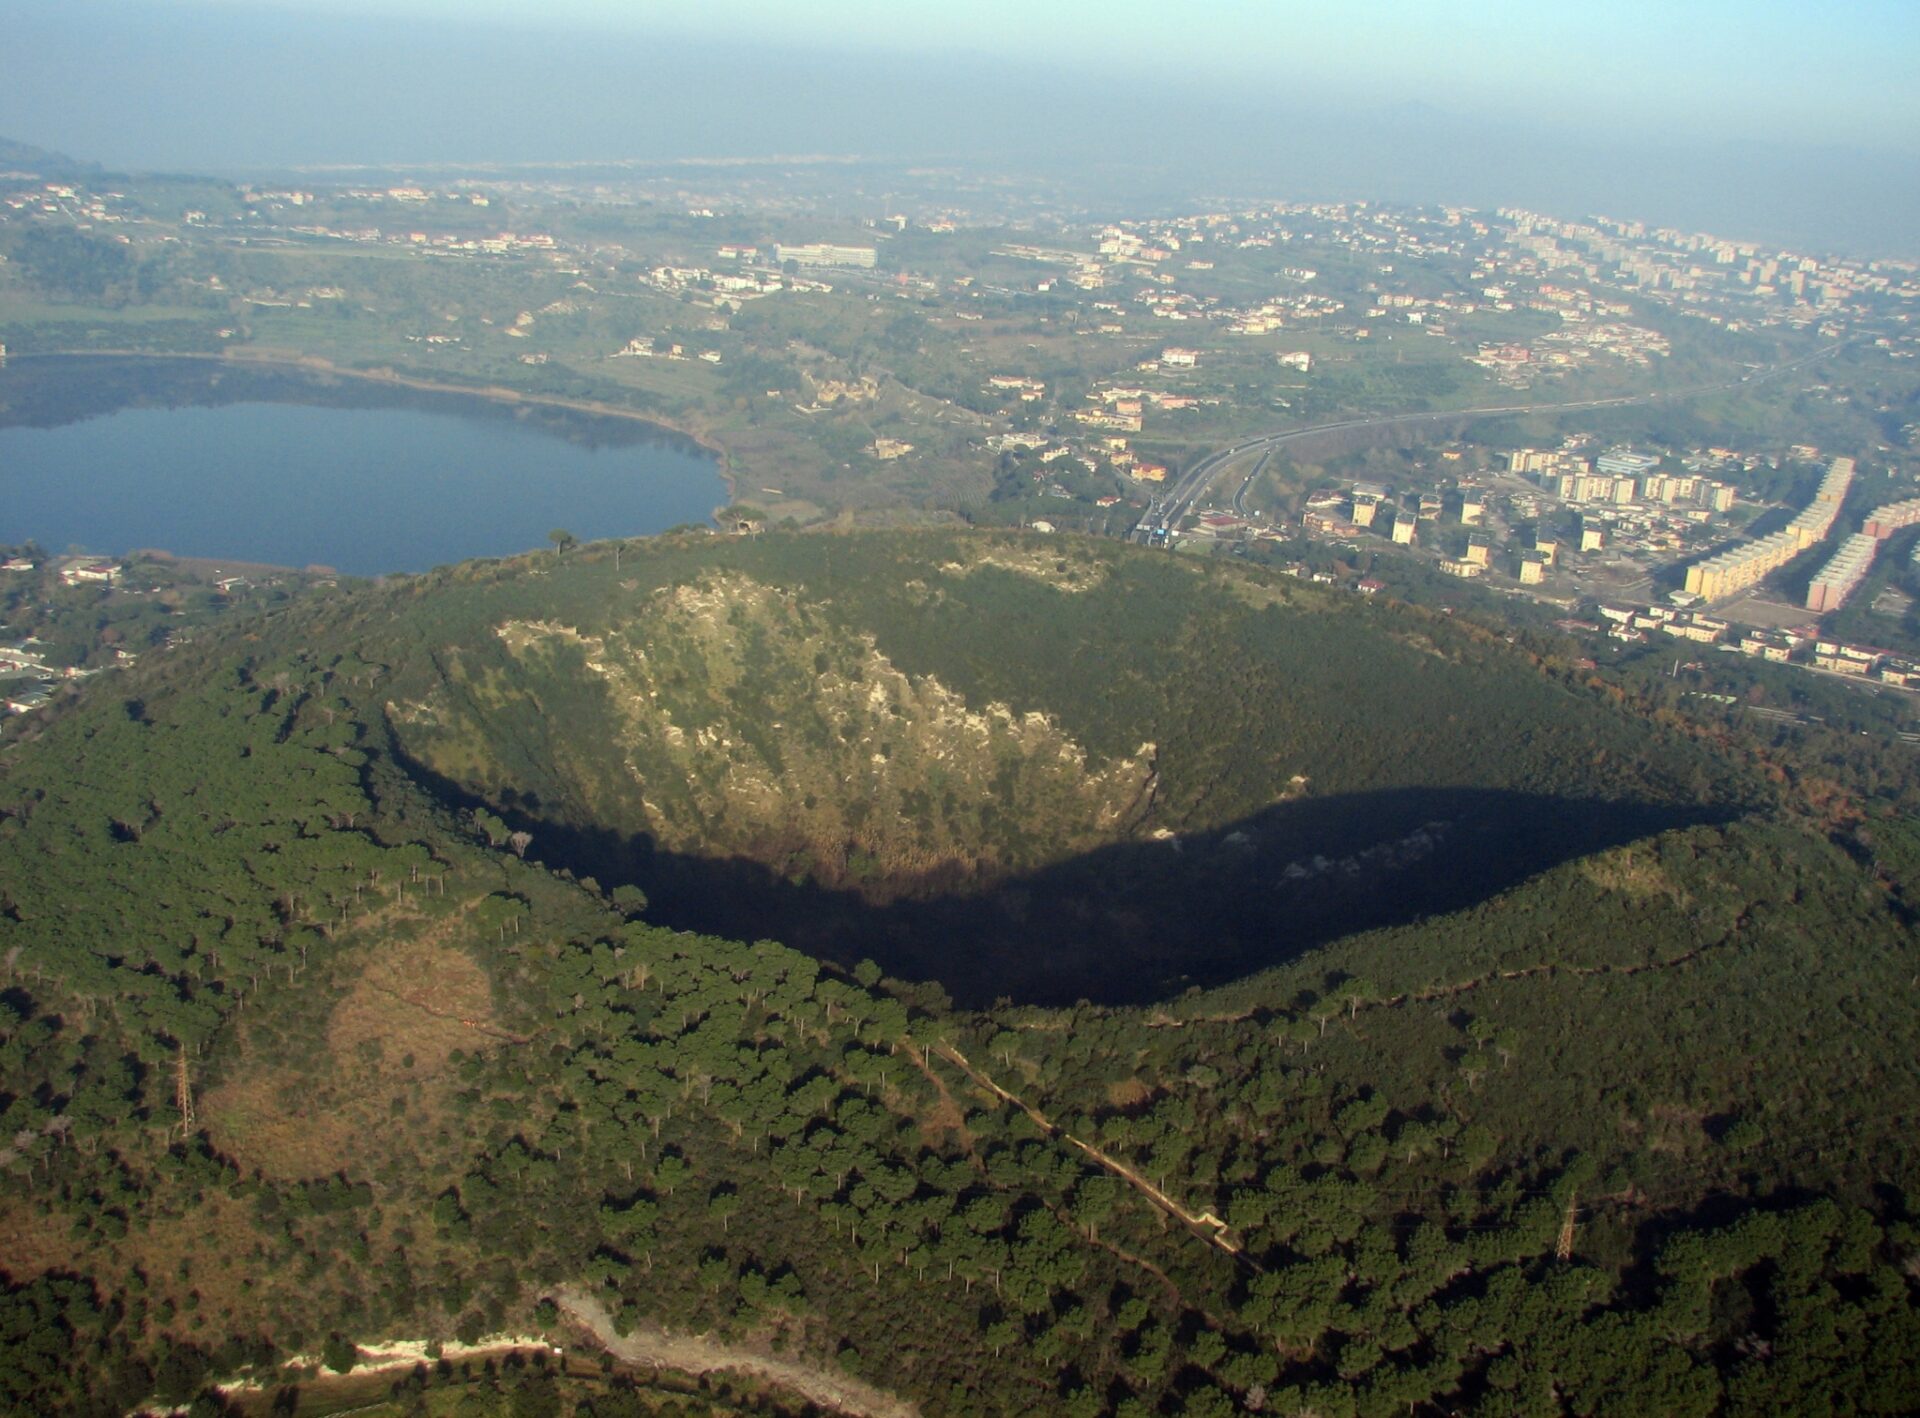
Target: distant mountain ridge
column 15, row 154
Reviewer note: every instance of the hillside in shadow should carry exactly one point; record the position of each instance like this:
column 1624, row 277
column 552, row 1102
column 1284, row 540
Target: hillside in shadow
column 1135, row 922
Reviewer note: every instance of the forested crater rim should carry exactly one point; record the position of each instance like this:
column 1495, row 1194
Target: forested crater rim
column 1013, row 765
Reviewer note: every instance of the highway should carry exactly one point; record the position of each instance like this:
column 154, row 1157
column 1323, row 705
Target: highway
column 1164, row 514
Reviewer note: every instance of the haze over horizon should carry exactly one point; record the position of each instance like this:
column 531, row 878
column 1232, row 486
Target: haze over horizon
column 1689, row 119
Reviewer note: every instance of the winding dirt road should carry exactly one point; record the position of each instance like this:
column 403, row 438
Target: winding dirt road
column 658, row 1348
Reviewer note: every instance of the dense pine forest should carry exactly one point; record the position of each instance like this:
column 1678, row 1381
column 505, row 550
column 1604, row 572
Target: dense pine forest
column 1021, row 974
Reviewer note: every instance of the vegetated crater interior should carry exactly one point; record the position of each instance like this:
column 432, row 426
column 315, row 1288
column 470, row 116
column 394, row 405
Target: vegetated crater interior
column 1024, row 769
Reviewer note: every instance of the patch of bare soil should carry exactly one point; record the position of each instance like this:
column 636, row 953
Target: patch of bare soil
column 389, row 1044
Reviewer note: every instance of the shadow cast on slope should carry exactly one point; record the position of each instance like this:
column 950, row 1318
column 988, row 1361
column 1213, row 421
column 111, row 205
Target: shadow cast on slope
column 1140, row 921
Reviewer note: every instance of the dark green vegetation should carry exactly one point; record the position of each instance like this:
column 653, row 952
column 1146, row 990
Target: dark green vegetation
column 1619, row 1126
column 897, row 747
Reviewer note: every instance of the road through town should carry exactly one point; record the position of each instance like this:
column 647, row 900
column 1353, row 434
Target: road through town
column 1165, row 513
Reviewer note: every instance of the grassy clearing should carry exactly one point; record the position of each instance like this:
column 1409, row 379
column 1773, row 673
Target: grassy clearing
column 25, row 310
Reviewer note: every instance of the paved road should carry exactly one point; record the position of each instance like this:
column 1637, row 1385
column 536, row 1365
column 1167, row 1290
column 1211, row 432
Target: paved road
column 1167, row 510
column 1240, row 497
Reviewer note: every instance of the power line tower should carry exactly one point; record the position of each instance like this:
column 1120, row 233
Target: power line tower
column 183, row 1091
column 1563, row 1248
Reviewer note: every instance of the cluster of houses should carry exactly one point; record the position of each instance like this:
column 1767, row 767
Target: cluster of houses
column 1123, row 407
column 87, row 570
column 1618, row 477
column 1736, row 285
column 745, row 278
column 1803, row 645
column 72, row 570
column 1112, row 451
column 1342, row 515
column 26, row 680
column 644, row 347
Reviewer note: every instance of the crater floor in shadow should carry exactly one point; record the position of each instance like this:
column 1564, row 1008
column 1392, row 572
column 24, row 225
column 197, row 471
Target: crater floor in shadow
column 1137, row 922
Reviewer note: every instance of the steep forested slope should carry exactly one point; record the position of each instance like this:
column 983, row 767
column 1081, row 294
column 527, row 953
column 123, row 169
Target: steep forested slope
column 296, row 1046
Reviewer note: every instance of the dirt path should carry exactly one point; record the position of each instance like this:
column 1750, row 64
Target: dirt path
column 1578, row 971
column 921, row 1057
column 659, row 1348
column 487, row 1029
column 1439, row 992
column 1204, row 1224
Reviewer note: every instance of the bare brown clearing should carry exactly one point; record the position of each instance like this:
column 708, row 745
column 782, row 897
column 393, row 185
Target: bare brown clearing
column 413, row 1005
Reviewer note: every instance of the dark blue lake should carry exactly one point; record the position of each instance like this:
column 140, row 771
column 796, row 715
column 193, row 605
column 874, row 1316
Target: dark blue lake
column 114, row 456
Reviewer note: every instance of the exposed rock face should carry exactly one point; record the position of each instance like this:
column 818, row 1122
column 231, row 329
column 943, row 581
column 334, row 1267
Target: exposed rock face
column 734, row 719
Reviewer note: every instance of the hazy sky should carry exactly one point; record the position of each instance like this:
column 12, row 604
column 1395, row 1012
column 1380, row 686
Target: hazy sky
column 1842, row 72
column 1681, row 110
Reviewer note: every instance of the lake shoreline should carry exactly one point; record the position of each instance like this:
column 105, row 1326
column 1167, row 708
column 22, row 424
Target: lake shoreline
column 491, row 393
column 206, row 568
column 278, row 463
